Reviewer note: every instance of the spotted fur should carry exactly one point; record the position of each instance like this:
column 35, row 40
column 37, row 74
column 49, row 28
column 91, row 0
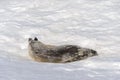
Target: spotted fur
column 57, row 54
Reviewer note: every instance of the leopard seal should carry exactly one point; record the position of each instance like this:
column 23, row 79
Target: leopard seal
column 57, row 54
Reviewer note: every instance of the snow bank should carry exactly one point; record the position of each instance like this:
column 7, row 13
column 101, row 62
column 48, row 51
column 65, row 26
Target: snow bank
column 88, row 23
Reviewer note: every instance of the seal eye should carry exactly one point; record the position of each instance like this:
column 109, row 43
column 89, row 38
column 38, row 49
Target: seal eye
column 36, row 39
column 30, row 39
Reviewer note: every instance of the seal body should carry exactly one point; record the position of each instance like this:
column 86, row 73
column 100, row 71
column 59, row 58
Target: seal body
column 57, row 54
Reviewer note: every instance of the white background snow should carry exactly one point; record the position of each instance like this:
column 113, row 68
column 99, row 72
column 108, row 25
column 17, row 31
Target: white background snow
column 93, row 24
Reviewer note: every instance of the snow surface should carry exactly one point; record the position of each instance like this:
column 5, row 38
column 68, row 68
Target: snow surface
column 89, row 23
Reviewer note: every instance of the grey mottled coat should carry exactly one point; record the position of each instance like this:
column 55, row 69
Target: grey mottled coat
column 57, row 54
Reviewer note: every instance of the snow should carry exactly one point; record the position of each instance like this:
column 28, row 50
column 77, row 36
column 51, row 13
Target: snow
column 88, row 23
